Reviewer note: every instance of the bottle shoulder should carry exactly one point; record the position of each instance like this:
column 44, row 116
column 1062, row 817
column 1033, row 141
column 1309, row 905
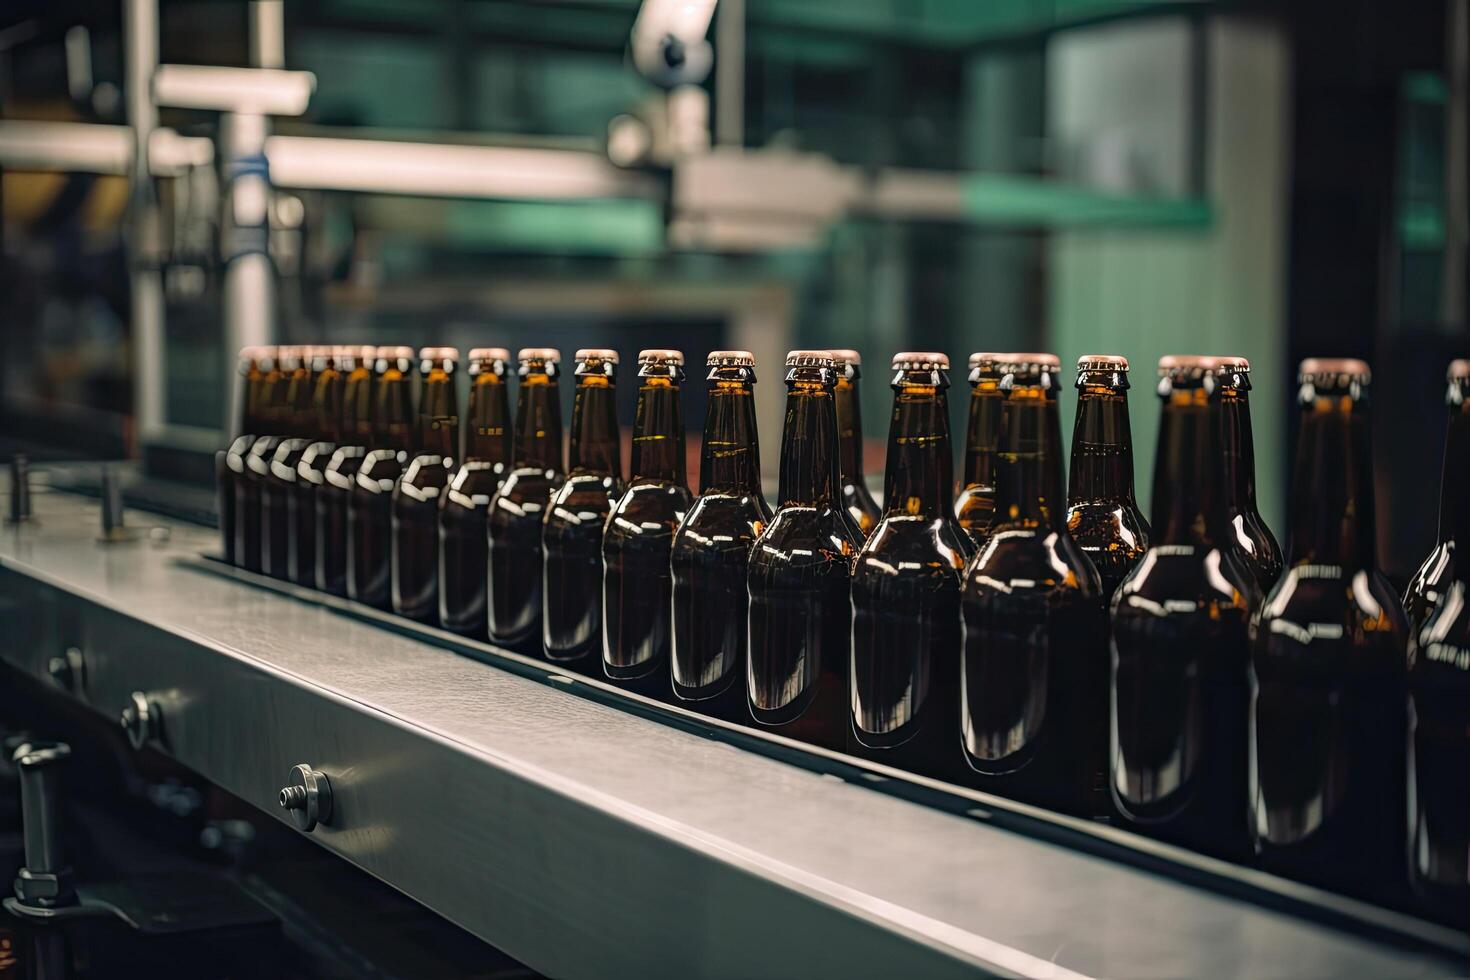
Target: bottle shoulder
column 584, row 489
column 1329, row 604
column 1184, row 580
column 1430, row 581
column 1439, row 655
column 901, row 544
column 427, row 472
column 806, row 536
column 650, row 498
column 741, row 516
column 1103, row 524
column 525, row 483
column 1031, row 558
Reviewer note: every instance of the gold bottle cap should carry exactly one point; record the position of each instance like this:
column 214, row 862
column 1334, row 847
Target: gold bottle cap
column 395, row 353
column 548, row 354
column 489, row 354
column 661, row 355
column 987, row 359
column 847, row 356
column 601, row 353
column 1030, row 361
column 438, row 354
column 1321, row 368
column 1102, row 362
column 1187, row 363
column 730, row 358
column 1459, row 370
column 913, row 360
column 810, row 358
column 1234, row 362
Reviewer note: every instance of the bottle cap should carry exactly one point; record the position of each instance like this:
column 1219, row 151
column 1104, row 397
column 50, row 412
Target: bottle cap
column 292, row 355
column 395, row 353
column 1102, row 362
column 847, row 356
column 601, row 353
column 1187, row 364
column 730, row 358
column 438, row 354
column 810, row 358
column 489, row 354
column 1323, row 369
column 986, row 360
column 912, row 360
column 256, row 352
column 1234, row 362
column 548, row 354
column 1032, row 362
column 661, row 355
column 1459, row 370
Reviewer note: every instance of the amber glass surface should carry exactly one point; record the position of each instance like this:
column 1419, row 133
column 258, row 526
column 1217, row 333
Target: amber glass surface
column 248, row 367
column 1329, row 670
column 906, row 594
column 1102, row 512
column 637, row 590
column 335, row 491
column 856, row 497
column 278, row 485
column 329, row 371
column 513, row 525
column 710, row 555
column 975, row 504
column 463, row 549
column 1033, row 708
column 1439, row 687
column 571, row 535
column 249, row 459
column 1248, row 530
column 797, row 674
column 370, row 505
column 415, row 544
column 1180, row 689
column 1433, row 577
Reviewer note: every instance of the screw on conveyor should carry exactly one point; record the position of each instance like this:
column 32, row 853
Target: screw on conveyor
column 307, row 797
column 20, row 489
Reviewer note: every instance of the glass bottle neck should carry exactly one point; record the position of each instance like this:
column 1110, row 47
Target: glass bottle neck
column 250, row 402
column 1028, row 471
column 658, row 432
column 438, row 419
column 1332, row 519
column 982, row 433
column 849, row 410
column 809, row 447
column 358, row 407
column 1237, row 450
column 1454, row 486
column 730, row 456
column 271, row 403
column 1102, row 447
column 596, row 447
column 919, row 478
column 538, row 423
column 327, row 405
column 1187, row 491
column 393, row 409
column 300, row 415
column 487, row 431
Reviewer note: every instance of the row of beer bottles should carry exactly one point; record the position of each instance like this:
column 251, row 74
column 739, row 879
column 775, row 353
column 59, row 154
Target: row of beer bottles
column 794, row 620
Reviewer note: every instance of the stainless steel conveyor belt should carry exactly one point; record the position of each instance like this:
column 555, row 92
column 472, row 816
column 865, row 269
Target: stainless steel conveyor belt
column 589, row 841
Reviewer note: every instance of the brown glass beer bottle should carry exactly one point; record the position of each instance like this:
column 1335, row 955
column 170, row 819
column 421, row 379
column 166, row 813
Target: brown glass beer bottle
column 1248, row 530
column 1180, row 689
column 463, row 554
column 513, row 526
column 415, row 542
column 329, row 366
column 334, row 493
column 906, row 588
column 976, row 501
column 279, row 482
column 710, row 555
column 229, row 464
column 861, row 506
column 571, row 534
column 370, row 505
column 1102, row 512
column 1328, row 666
column 1428, row 585
column 1034, row 668
column 1439, row 686
column 255, row 464
column 637, row 586
column 797, row 674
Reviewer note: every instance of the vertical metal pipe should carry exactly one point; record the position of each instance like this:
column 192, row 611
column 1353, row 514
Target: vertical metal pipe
column 140, row 44
column 730, row 73
column 267, row 34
